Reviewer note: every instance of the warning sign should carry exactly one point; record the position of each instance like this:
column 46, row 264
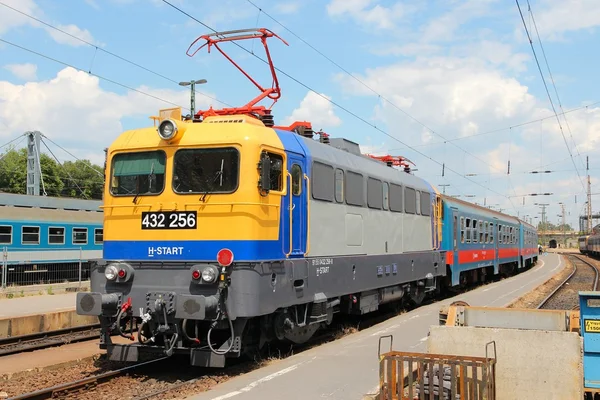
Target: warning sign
column 592, row 325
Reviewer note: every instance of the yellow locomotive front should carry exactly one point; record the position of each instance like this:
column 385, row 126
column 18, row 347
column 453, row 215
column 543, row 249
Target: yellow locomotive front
column 189, row 210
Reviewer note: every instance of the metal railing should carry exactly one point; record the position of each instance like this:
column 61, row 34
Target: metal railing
column 25, row 268
column 408, row 376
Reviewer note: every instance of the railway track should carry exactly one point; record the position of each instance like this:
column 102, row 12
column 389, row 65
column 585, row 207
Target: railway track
column 42, row 340
column 583, row 277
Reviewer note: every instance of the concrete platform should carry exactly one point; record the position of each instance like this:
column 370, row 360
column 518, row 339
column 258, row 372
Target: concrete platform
column 33, row 314
column 348, row 368
column 31, row 305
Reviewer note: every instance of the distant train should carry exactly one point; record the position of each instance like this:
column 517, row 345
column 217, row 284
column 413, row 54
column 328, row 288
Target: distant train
column 226, row 233
column 40, row 237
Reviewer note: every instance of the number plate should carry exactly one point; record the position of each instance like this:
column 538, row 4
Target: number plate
column 169, row 220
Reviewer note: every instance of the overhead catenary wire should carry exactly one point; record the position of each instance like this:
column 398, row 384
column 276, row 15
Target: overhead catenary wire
column 548, row 93
column 72, row 155
column 65, row 169
column 110, row 53
column 552, row 79
column 91, row 73
column 355, row 115
column 384, row 98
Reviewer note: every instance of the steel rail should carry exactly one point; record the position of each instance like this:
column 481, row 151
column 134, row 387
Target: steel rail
column 42, row 340
column 568, row 278
column 64, row 388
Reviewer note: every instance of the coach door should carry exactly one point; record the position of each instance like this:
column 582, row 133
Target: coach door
column 455, row 237
column 296, row 206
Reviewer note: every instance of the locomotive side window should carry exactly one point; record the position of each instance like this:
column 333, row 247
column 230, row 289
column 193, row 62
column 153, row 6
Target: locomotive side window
column 395, row 198
column 323, row 181
column 374, row 193
column 296, row 180
column 339, row 185
column 215, row 170
column 138, row 173
column 410, row 200
column 30, row 235
column 56, row 235
column 5, row 234
column 355, row 193
column 425, row 203
column 386, row 195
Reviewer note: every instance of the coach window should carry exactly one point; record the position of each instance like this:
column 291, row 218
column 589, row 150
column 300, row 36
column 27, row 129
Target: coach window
column 296, row 180
column 468, row 229
column 141, row 173
column 98, row 236
column 56, row 235
column 386, row 195
column 322, row 181
column 396, row 203
column 5, row 234
column 462, row 229
column 214, row 171
column 374, row 193
column 500, row 234
column 355, row 192
column 339, row 185
column 30, row 235
column 482, row 232
column 475, row 231
column 487, row 232
column 491, row 232
column 410, row 201
column 80, row 235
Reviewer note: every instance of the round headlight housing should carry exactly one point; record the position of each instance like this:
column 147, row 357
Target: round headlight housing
column 167, row 129
column 111, row 272
column 209, row 275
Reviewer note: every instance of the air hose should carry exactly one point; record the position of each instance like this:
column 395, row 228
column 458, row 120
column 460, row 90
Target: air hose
column 230, row 327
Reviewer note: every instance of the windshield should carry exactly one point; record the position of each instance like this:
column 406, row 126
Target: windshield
column 138, row 173
column 206, row 170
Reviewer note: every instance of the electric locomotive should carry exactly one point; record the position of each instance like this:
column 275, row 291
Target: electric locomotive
column 223, row 232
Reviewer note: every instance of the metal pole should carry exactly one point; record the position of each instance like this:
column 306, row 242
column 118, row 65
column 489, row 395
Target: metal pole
column 193, row 99
column 80, row 257
column 4, row 267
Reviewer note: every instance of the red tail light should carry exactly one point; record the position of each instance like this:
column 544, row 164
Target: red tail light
column 122, row 273
column 225, row 257
column 196, row 275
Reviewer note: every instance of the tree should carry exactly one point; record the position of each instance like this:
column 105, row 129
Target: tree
column 72, row 179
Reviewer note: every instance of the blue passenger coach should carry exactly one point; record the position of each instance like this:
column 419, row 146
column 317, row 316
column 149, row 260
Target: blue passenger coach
column 54, row 232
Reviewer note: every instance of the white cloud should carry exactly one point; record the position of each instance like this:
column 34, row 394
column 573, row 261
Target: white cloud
column 317, row 110
column 74, row 30
column 10, row 19
column 556, row 17
column 363, row 12
column 25, row 71
column 73, row 110
column 290, row 7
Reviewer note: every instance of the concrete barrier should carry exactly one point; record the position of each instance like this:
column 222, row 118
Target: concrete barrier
column 530, row 363
column 28, row 324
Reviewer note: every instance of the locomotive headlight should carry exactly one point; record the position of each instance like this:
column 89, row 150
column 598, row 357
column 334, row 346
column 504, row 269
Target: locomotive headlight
column 167, row 129
column 209, row 274
column 111, row 273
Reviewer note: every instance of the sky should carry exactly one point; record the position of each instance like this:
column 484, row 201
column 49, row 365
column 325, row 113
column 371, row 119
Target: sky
column 451, row 85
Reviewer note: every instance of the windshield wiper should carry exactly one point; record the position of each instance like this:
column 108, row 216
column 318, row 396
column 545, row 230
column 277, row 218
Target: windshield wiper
column 210, row 186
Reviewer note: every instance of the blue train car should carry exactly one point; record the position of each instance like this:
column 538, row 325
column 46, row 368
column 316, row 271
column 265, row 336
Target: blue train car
column 42, row 236
column 480, row 242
